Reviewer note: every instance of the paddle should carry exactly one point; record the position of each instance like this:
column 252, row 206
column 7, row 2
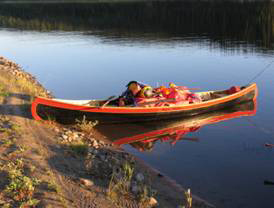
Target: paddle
column 193, row 88
column 111, row 98
column 155, row 102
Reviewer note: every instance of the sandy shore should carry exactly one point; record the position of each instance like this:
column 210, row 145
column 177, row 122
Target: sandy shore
column 45, row 164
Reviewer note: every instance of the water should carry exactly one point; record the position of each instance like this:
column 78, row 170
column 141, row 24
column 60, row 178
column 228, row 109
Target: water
column 82, row 51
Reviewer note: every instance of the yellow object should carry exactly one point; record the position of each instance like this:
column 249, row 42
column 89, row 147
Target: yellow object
column 172, row 85
column 145, row 89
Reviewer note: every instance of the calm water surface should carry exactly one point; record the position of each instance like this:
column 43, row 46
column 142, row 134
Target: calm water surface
column 87, row 51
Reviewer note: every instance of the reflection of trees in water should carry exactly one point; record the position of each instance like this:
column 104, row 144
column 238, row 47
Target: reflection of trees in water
column 229, row 24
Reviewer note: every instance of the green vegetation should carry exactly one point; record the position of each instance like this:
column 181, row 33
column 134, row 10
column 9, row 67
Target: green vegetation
column 3, row 92
column 52, row 186
column 20, row 187
column 79, row 148
column 32, row 168
column 7, row 142
column 85, row 126
column 29, row 87
column 120, row 184
column 8, row 131
column 51, row 120
column 188, row 199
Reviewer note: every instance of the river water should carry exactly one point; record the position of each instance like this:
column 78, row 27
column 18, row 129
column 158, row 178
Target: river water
column 83, row 51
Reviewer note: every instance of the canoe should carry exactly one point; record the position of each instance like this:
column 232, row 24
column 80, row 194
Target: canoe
column 67, row 111
column 141, row 133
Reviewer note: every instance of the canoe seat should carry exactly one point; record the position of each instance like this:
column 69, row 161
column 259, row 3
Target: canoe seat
column 93, row 103
column 206, row 96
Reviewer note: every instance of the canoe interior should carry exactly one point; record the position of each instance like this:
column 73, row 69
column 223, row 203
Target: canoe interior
column 206, row 96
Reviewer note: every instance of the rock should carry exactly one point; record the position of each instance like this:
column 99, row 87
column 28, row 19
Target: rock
column 140, row 177
column 86, row 182
column 90, row 150
column 102, row 157
column 64, row 136
column 153, row 202
column 134, row 189
column 75, row 135
column 95, row 143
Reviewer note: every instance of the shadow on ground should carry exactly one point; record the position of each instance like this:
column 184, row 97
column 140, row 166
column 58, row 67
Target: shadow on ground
column 21, row 110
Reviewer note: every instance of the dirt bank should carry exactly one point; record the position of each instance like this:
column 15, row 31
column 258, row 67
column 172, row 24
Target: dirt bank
column 49, row 165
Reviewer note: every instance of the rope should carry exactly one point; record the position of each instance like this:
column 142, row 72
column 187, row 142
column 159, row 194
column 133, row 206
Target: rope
column 261, row 72
column 263, row 130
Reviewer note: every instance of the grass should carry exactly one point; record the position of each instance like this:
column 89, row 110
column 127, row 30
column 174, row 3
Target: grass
column 50, row 121
column 8, row 132
column 19, row 150
column 15, row 127
column 120, row 183
column 32, row 168
column 7, row 142
column 85, row 126
column 52, row 186
column 22, row 148
column 3, row 92
column 21, row 83
column 7, row 127
column 20, row 187
column 29, row 87
column 79, row 148
column 145, row 195
column 120, row 186
column 188, row 199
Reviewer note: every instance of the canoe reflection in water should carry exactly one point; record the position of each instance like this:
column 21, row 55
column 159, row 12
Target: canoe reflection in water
column 143, row 136
column 168, row 135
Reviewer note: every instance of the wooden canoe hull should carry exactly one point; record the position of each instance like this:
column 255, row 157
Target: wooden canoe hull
column 67, row 113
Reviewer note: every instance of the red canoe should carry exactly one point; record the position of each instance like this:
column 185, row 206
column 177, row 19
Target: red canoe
column 67, row 111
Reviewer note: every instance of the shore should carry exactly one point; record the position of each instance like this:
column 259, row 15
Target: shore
column 45, row 164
